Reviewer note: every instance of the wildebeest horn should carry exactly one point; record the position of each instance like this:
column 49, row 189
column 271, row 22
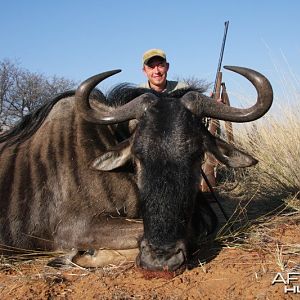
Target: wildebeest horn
column 108, row 114
column 205, row 107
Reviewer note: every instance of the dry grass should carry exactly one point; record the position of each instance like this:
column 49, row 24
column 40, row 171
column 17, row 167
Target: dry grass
column 275, row 142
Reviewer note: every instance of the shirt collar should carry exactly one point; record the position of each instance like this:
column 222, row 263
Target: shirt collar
column 164, row 90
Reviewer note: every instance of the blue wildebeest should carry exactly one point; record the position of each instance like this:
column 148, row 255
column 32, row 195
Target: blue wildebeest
column 63, row 184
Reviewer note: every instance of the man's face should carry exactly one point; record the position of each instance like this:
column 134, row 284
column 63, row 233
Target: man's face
column 156, row 70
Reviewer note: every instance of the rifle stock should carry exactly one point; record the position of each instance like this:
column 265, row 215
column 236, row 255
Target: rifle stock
column 228, row 125
column 210, row 162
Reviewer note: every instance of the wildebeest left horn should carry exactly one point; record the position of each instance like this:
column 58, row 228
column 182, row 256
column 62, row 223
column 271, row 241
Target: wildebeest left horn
column 109, row 114
column 205, row 107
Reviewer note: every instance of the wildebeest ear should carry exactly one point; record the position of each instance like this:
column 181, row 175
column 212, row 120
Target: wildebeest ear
column 113, row 158
column 228, row 154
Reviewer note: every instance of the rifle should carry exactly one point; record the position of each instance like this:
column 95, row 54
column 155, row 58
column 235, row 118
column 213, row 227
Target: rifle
column 214, row 125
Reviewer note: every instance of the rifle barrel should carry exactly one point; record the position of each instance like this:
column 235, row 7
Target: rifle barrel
column 226, row 24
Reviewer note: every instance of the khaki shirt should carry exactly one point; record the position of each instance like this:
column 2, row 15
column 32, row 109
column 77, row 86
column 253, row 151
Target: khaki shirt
column 171, row 86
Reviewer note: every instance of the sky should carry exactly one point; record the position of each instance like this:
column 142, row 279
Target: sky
column 76, row 39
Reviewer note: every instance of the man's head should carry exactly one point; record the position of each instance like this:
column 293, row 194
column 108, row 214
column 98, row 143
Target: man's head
column 155, row 67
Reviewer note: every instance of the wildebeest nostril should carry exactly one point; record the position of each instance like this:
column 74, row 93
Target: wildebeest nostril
column 158, row 258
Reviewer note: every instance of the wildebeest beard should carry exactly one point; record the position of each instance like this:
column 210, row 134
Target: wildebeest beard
column 167, row 195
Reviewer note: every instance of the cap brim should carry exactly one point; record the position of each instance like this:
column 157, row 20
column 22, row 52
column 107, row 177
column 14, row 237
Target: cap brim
column 148, row 59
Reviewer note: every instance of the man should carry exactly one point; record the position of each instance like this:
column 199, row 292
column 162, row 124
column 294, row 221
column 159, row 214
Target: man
column 156, row 67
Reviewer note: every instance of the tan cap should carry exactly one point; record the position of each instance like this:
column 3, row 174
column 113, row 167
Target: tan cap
column 152, row 53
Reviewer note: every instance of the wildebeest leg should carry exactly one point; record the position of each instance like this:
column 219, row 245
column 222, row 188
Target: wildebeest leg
column 108, row 241
column 111, row 233
column 104, row 257
column 95, row 258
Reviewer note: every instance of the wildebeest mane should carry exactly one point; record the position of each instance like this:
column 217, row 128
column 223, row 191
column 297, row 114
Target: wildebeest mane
column 30, row 123
column 125, row 92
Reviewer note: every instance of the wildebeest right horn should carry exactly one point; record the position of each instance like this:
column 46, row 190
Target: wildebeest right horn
column 109, row 114
column 205, row 107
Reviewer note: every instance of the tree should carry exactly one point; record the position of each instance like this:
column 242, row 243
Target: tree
column 22, row 91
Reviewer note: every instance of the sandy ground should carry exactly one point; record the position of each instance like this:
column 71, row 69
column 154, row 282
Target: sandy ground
column 220, row 273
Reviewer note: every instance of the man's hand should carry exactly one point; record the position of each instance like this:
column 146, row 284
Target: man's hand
column 220, row 100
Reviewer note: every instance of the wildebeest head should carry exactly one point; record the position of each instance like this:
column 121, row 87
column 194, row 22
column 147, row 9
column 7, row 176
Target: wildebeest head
column 167, row 147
